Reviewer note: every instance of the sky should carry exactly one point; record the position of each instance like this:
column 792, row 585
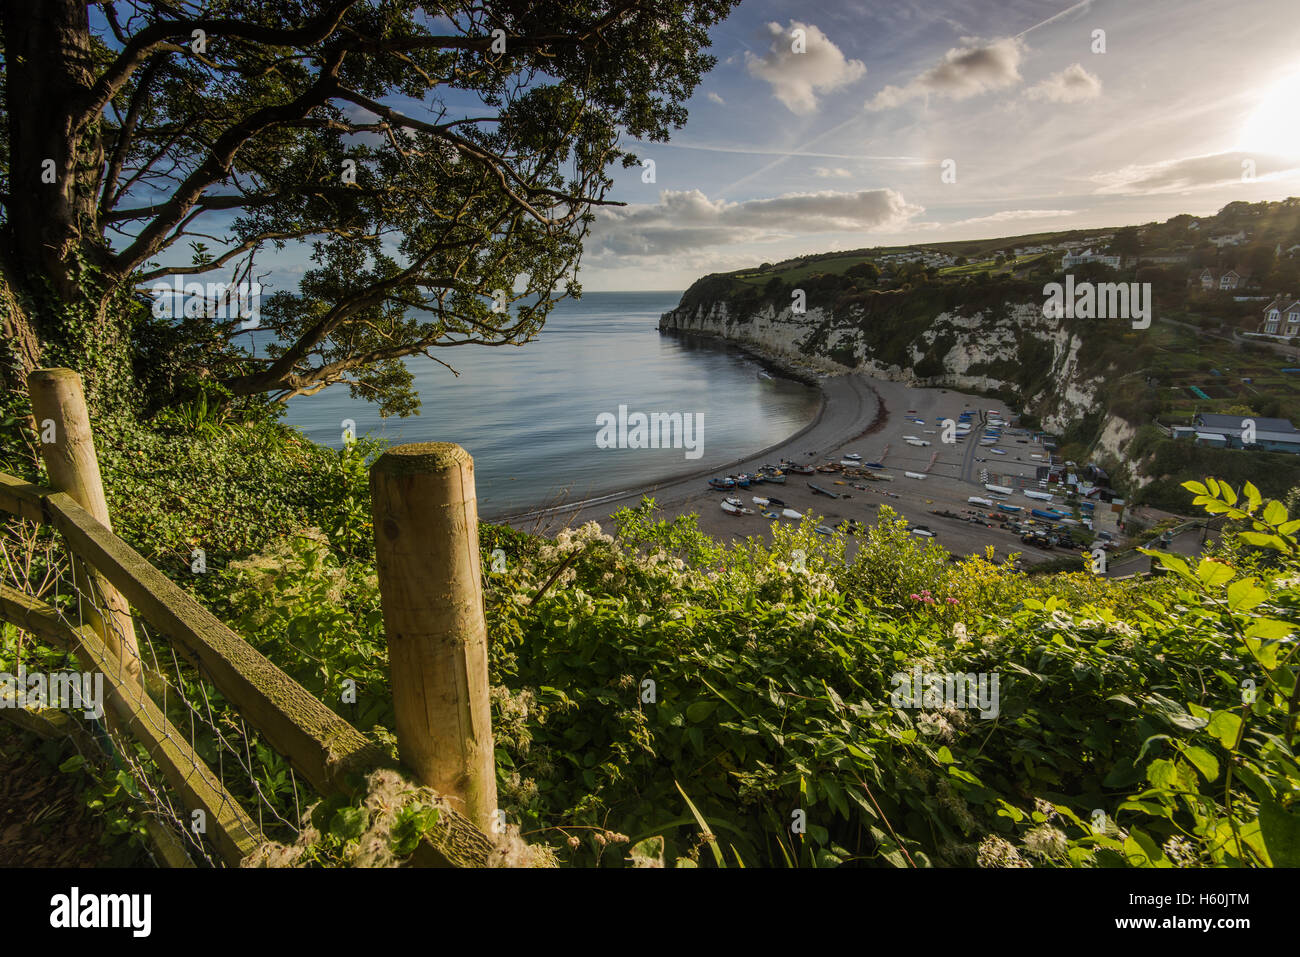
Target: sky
column 911, row 122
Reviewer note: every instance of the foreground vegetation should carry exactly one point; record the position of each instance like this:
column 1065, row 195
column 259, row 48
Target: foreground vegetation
column 658, row 698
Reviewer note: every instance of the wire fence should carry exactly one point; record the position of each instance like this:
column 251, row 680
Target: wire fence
column 35, row 562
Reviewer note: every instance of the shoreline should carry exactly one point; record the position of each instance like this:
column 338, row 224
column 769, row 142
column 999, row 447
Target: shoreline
column 858, row 413
column 768, row 362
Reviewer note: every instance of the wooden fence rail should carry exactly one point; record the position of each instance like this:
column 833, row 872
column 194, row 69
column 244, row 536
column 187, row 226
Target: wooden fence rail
column 318, row 743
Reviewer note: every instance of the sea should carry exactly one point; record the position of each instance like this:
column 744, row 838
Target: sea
column 530, row 415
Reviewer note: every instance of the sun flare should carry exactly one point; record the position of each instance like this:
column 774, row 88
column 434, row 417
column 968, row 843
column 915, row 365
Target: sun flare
column 1272, row 127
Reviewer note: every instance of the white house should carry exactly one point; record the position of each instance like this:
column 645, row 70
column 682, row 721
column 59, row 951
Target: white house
column 1088, row 256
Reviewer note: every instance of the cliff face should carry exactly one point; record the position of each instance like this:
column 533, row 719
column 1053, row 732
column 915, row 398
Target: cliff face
column 1011, row 345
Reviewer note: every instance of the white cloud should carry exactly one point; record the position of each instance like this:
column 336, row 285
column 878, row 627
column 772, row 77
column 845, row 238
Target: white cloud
column 797, row 78
column 966, row 71
column 687, row 219
column 838, row 172
column 1002, row 216
column 1074, row 84
column 1192, row 173
column 714, row 98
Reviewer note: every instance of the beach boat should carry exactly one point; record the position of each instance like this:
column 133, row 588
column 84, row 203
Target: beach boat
column 1069, row 521
column 920, row 442
column 976, row 500
column 873, row 465
column 732, row 500
column 767, row 513
column 722, row 483
column 1041, row 496
column 823, row 530
column 769, row 501
column 999, row 489
column 798, row 469
column 1002, row 506
column 821, row 491
column 915, row 475
column 730, row 508
column 850, row 463
column 998, row 451
column 1039, row 513
column 853, row 455
column 828, row 469
column 791, row 513
column 743, row 480
column 775, row 477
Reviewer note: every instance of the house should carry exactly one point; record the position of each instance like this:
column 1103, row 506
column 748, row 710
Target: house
column 1227, row 431
column 1281, row 317
column 1088, row 256
column 1232, row 240
column 1223, row 279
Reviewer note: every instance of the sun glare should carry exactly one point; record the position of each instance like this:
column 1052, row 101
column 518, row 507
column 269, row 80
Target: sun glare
column 1272, row 128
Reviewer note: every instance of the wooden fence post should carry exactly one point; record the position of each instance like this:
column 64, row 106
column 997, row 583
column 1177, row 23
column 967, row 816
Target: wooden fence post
column 68, row 447
column 430, row 581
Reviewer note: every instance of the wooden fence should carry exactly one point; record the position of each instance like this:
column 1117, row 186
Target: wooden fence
column 426, row 529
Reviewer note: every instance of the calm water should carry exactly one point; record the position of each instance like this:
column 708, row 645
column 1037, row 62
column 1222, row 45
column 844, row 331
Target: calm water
column 528, row 414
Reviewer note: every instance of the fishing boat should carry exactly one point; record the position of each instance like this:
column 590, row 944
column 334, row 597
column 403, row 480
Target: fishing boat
column 722, row 484
column 775, row 476
column 1041, row 496
column 1039, row 513
column 828, row 468
column 850, row 463
column 874, row 465
column 976, row 500
column 915, row 475
column 791, row 513
column 743, row 480
column 798, row 469
column 999, row 489
column 821, row 491
column 1002, row 506
column 767, row 513
column 998, row 451
column 731, row 507
column 920, row 442
column 758, row 500
column 852, row 455
column 823, row 530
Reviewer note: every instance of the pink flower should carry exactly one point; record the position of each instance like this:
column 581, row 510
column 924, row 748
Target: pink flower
column 952, row 601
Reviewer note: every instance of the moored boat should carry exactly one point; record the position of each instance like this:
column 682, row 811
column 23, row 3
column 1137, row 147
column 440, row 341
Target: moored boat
column 722, row 483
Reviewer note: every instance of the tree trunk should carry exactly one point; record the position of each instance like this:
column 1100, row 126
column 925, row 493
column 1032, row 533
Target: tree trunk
column 54, row 268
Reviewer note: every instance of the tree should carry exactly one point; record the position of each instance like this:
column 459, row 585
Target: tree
column 864, row 270
column 443, row 161
column 1127, row 243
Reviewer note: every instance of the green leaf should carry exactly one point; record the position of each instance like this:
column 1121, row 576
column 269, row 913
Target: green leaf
column 704, row 828
column 1225, row 725
column 74, row 763
column 1197, row 487
column 697, row 712
column 1162, row 774
column 1245, row 594
column 1213, row 574
column 1204, row 761
column 1274, row 513
column 1281, row 832
column 1173, row 713
column 349, row 823
column 1252, row 495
